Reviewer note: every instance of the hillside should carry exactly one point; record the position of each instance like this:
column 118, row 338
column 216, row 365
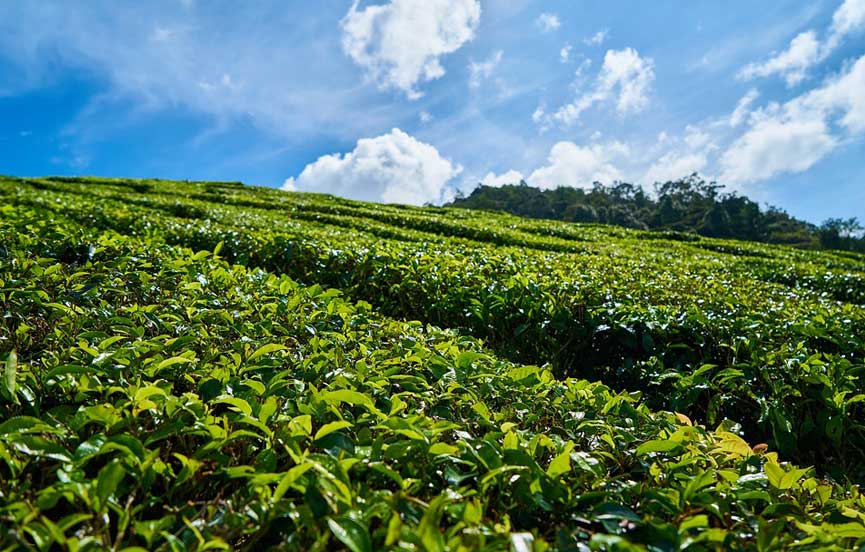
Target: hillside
column 193, row 365
column 688, row 205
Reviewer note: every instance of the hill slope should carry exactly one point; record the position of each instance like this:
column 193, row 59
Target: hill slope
column 191, row 367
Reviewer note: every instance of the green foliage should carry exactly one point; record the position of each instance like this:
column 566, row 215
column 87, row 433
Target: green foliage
column 686, row 205
column 595, row 302
column 168, row 385
column 842, row 234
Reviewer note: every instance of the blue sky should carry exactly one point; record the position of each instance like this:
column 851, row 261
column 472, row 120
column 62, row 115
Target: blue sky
column 414, row 100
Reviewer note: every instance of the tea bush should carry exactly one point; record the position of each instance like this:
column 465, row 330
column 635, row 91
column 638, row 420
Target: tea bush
column 168, row 384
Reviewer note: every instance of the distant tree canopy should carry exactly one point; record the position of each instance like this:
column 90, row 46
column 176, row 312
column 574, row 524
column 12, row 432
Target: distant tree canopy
column 687, row 205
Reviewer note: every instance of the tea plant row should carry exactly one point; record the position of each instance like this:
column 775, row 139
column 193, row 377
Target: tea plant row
column 717, row 330
column 158, row 397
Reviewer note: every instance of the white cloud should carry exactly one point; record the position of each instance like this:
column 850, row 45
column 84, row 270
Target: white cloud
column 774, row 146
column 565, row 53
column 672, row 166
column 548, row 22
column 697, row 138
column 804, row 52
column 597, row 39
column 497, row 181
column 632, row 75
column 538, row 114
column 147, row 57
column 394, row 168
column 425, row 117
column 624, row 74
column 684, row 155
column 742, row 107
column 579, row 166
column 792, row 137
column 569, row 114
column 847, row 18
column 400, row 44
column 582, row 68
column 844, row 95
column 478, row 71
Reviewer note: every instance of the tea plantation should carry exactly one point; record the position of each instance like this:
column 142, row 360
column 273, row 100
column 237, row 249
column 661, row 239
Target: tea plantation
column 194, row 366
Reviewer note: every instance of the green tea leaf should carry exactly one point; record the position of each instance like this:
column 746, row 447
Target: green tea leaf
column 266, row 349
column 9, row 374
column 329, row 428
column 26, row 424
column 351, row 533
column 288, row 480
column 561, row 464
column 443, row 448
column 346, row 395
column 659, row 445
column 775, row 473
column 109, row 478
column 171, row 362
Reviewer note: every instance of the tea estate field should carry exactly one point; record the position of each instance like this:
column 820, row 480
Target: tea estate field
column 194, row 366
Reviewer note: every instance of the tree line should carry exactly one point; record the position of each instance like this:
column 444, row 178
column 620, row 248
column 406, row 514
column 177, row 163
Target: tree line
column 689, row 204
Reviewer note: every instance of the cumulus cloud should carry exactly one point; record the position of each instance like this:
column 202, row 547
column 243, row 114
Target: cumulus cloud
column 569, row 164
column 478, row 71
column 845, row 95
column 565, row 53
column 499, row 180
column 697, row 138
column 539, row 114
column 580, row 165
column 394, row 168
column 625, row 75
column 399, row 44
column 548, row 22
column 777, row 145
column 597, row 39
column 673, row 166
column 631, row 74
column 792, row 137
column 568, row 114
column 848, row 18
column 806, row 50
column 684, row 155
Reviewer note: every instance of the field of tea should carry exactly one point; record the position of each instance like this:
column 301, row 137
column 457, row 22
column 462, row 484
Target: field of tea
column 192, row 366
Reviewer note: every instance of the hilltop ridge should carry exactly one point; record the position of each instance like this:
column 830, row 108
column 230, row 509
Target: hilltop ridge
column 687, row 205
